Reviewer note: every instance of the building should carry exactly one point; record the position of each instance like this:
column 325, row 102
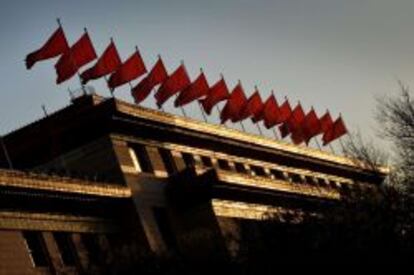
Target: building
column 102, row 179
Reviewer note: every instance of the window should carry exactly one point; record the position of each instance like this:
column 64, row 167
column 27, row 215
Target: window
column 223, row 164
column 258, row 171
column 167, row 234
column 333, row 184
column 206, row 161
column 322, row 182
column 188, row 159
column 168, row 161
column 278, row 174
column 240, row 167
column 141, row 159
column 296, row 178
column 311, row 180
column 66, row 248
column 37, row 248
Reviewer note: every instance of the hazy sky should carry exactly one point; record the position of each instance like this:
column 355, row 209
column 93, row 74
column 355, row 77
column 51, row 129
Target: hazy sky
column 335, row 55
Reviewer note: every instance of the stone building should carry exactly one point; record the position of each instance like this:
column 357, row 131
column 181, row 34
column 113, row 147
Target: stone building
column 102, row 180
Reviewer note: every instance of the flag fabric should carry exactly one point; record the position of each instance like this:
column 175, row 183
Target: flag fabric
column 253, row 107
column 236, row 101
column 326, row 122
column 132, row 68
column 285, row 112
column 270, row 112
column 197, row 89
column 81, row 53
column 311, row 126
column 218, row 92
column 176, row 82
column 54, row 46
column 106, row 64
column 293, row 123
column 337, row 130
column 157, row 75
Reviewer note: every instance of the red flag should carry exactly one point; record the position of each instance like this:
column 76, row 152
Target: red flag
column 157, row 75
column 218, row 92
column 285, row 112
column 234, row 104
column 81, row 53
column 196, row 90
column 176, row 82
column 253, row 106
column 54, row 46
column 106, row 64
column 132, row 68
column 337, row 130
column 326, row 122
column 293, row 123
column 311, row 126
column 270, row 112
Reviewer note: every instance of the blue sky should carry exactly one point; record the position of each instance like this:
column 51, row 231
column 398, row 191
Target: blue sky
column 335, row 55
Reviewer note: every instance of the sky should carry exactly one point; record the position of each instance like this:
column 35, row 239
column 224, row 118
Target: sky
column 329, row 54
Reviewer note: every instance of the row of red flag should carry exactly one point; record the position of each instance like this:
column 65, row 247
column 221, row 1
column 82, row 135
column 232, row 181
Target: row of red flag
column 301, row 126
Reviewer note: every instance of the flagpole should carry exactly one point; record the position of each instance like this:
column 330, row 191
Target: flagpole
column 332, row 149
column 106, row 77
column 275, row 134
column 70, row 94
column 44, row 110
column 217, row 107
column 258, row 128
column 342, row 145
column 317, row 143
column 181, row 107
column 71, row 59
column 129, row 82
column 199, row 104
column 6, row 153
column 241, row 123
column 202, row 111
column 242, row 126
column 257, row 122
column 273, row 129
column 177, row 94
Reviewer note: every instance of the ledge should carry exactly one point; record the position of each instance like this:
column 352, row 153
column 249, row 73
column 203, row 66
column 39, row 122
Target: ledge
column 12, row 178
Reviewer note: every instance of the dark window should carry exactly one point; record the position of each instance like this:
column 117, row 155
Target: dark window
column 332, row 184
column 321, row 182
column 296, row 178
column 310, row 180
column 37, row 248
column 259, row 171
column 161, row 218
column 143, row 158
column 240, row 167
column 206, row 161
column 188, row 159
column 168, row 161
column 278, row 174
column 66, row 248
column 223, row 164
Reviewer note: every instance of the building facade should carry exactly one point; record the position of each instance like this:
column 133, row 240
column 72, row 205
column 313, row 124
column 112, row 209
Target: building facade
column 105, row 181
